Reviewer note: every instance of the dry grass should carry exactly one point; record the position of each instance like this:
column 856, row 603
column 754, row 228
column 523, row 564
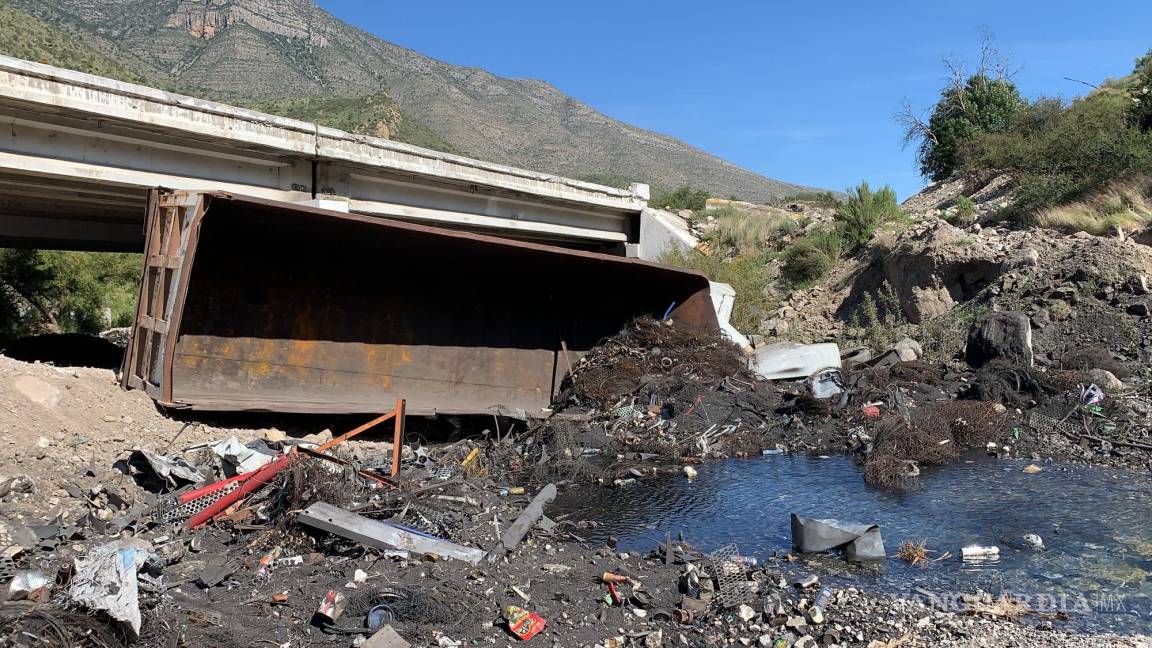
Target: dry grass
column 1127, row 205
column 935, row 434
column 750, row 233
column 914, row 553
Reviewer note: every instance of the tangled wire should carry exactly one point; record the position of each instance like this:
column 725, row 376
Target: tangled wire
column 24, row 625
column 649, row 349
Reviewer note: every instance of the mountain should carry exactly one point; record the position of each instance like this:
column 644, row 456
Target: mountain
column 292, row 56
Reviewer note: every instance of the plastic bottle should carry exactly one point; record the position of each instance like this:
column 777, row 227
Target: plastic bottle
column 977, row 551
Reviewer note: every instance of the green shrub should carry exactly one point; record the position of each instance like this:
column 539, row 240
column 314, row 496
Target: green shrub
column 682, row 198
column 748, row 275
column 819, row 198
column 864, row 211
column 1062, row 157
column 829, row 241
column 964, row 213
column 880, row 318
column 804, row 262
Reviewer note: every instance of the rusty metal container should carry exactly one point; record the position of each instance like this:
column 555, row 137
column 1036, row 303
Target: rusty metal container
column 248, row 304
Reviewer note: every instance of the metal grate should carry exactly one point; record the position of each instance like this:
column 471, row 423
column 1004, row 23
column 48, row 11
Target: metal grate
column 176, row 512
column 1049, row 425
column 729, row 574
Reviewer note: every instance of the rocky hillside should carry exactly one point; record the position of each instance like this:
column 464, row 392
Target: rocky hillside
column 258, row 50
column 1086, row 296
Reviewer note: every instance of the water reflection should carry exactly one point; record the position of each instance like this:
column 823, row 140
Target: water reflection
column 1096, row 524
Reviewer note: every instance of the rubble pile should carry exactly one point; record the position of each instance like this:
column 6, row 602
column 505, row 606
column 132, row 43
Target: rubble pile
column 220, row 537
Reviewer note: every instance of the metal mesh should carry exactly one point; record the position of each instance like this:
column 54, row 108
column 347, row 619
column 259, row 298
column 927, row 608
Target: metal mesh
column 729, row 573
column 1049, row 425
column 174, row 512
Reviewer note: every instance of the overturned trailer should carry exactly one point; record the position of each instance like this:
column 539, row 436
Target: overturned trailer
column 249, row 304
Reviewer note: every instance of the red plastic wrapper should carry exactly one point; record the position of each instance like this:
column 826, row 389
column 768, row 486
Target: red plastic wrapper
column 522, row 623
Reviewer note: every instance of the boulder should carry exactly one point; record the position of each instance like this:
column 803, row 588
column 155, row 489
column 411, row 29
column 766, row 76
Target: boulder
column 934, row 269
column 994, row 336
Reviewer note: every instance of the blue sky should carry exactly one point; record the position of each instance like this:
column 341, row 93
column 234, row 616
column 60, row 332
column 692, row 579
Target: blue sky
column 800, row 91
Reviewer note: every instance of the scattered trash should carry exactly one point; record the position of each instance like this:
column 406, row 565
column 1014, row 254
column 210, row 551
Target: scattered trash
column 690, row 472
column 244, row 458
column 106, row 579
column 385, row 637
column 26, row 584
column 526, row 520
column 1032, row 469
column 166, row 469
column 385, row 536
column 976, row 551
column 826, row 383
column 332, row 606
column 523, row 624
column 858, row 541
column 1033, row 540
column 785, row 360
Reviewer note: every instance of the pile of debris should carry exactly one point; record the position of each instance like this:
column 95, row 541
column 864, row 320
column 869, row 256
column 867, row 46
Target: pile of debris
column 174, row 545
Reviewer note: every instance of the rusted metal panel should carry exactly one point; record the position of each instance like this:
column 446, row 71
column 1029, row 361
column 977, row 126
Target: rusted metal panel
column 285, row 308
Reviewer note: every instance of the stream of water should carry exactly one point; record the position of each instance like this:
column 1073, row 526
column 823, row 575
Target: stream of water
column 1096, row 525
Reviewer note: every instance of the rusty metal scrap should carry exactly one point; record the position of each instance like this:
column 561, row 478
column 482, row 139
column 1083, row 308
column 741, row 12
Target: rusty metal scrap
column 248, row 304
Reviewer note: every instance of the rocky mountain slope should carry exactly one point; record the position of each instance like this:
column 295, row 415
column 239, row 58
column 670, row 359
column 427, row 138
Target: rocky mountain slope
column 257, row 50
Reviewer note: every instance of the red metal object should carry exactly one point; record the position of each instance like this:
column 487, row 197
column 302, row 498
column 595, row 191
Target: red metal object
column 249, row 483
column 398, row 439
column 249, row 304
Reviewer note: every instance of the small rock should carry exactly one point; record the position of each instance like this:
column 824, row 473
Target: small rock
column 804, row 642
column 796, row 622
column 1042, row 319
column 908, row 350
column 746, row 613
column 1106, row 380
column 1140, row 309
column 1138, row 284
column 274, row 436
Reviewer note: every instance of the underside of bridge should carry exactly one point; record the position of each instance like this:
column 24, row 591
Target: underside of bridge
column 79, row 153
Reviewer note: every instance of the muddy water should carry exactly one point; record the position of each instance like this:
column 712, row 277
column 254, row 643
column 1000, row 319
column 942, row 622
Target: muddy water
column 1096, row 526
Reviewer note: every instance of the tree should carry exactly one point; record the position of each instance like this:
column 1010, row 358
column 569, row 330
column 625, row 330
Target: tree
column 1140, row 112
column 55, row 291
column 984, row 101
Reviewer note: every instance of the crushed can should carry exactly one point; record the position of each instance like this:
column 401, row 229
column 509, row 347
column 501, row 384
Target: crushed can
column 522, row 623
column 332, row 606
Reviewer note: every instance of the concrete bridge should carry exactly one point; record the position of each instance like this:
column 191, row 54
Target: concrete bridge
column 79, row 152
